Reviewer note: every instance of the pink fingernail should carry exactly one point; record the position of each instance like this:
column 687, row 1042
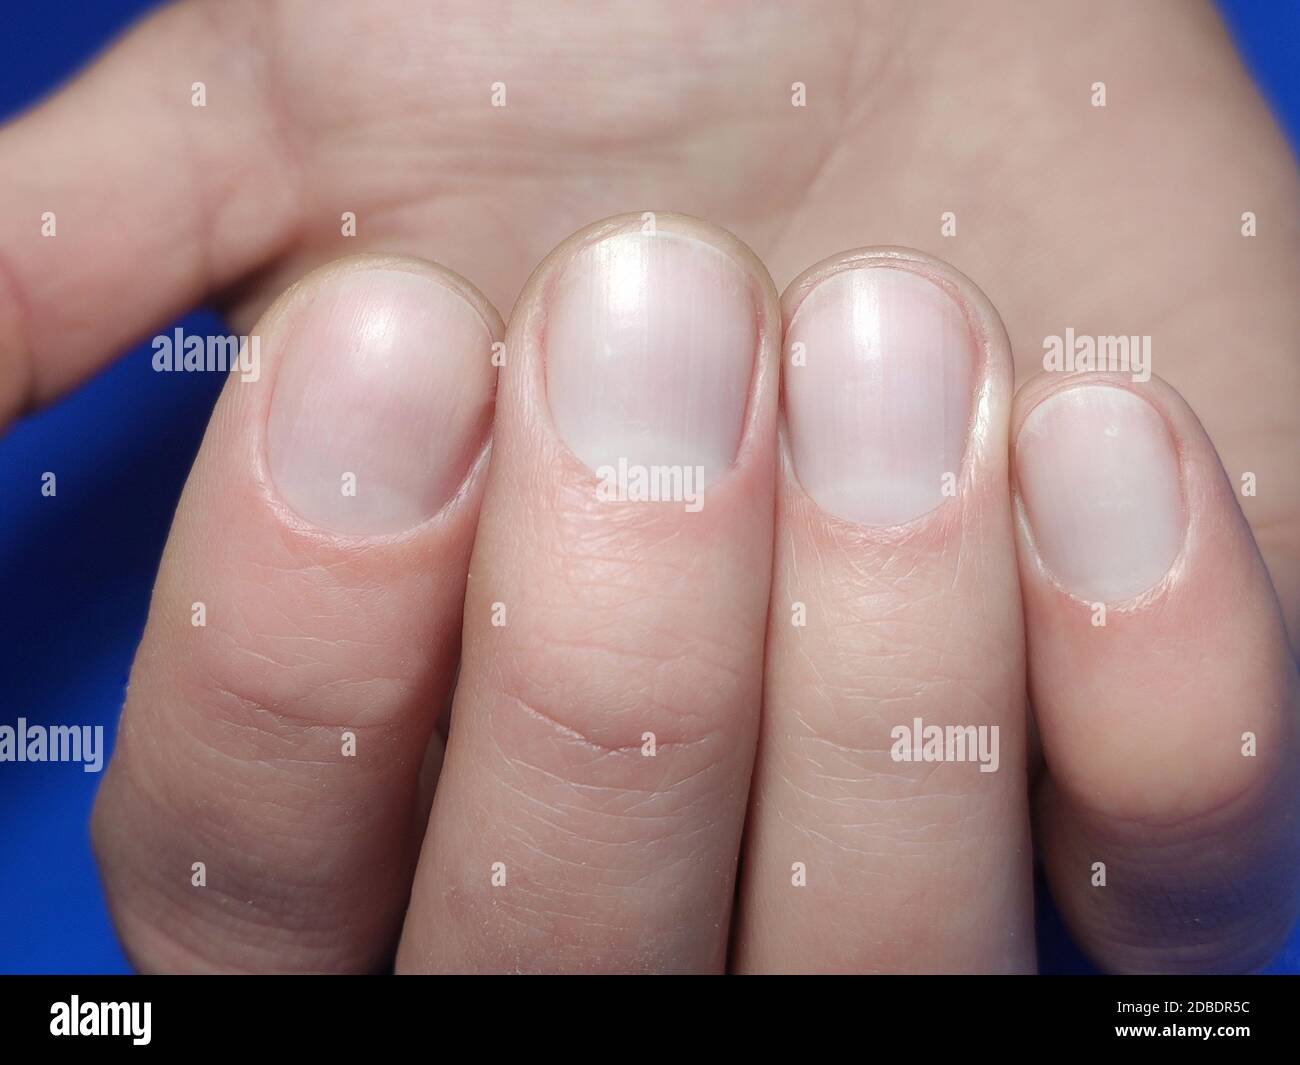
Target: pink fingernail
column 381, row 402
column 650, row 348
column 1099, row 477
column 878, row 394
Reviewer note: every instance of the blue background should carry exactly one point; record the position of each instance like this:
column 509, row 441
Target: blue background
column 76, row 570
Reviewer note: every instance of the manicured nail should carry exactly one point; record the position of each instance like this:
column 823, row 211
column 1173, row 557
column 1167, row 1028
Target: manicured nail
column 381, row 401
column 650, row 349
column 1099, row 478
column 877, row 387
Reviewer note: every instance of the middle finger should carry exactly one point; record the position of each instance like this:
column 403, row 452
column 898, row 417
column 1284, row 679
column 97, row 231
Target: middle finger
column 589, row 811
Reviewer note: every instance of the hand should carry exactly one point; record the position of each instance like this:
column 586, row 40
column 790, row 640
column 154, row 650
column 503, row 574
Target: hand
column 626, row 619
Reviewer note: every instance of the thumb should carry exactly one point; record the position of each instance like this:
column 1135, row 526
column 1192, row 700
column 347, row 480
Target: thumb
column 151, row 180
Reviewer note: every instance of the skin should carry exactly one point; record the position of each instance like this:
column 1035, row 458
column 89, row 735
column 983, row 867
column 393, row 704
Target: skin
column 1117, row 220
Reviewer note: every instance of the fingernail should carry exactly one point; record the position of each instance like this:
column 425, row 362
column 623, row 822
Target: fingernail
column 381, row 401
column 878, row 398
column 1099, row 478
column 650, row 352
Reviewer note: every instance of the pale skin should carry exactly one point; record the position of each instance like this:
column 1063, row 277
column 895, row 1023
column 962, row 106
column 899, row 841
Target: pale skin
column 623, row 620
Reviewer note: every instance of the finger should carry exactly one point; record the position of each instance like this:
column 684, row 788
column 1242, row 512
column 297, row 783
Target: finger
column 590, row 808
column 125, row 203
column 1161, row 680
column 895, row 614
column 261, row 810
